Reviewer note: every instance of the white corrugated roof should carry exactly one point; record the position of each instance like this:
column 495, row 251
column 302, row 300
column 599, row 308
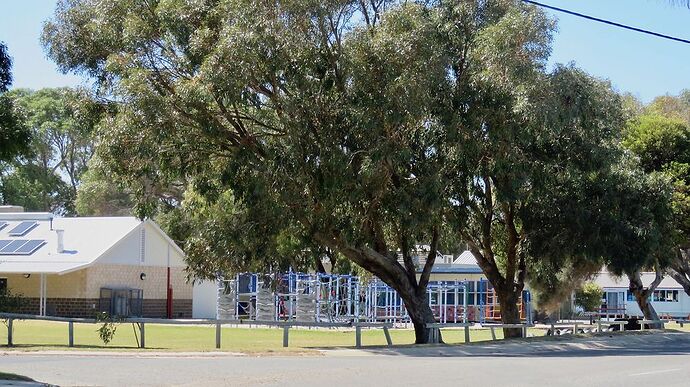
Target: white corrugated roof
column 606, row 280
column 85, row 240
column 466, row 258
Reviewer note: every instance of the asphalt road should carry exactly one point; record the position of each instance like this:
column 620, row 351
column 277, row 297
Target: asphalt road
column 662, row 359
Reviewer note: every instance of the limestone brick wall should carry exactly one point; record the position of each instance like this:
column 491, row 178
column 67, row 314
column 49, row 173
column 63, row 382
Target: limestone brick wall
column 154, row 286
column 63, row 307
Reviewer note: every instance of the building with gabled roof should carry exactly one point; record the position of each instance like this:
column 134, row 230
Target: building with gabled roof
column 79, row 266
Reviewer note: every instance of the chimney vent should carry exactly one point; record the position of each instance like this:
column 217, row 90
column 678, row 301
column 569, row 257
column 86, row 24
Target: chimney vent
column 60, row 234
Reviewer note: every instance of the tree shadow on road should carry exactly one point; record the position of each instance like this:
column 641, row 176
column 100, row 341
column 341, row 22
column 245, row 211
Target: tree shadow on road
column 651, row 343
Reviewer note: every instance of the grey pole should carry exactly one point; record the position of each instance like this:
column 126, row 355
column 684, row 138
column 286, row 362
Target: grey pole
column 71, row 333
column 142, row 331
column 9, row 332
column 358, row 336
column 388, row 336
column 467, row 334
column 217, row 334
column 286, row 333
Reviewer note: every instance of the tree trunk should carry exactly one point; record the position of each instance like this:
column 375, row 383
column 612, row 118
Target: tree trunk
column 318, row 265
column 642, row 296
column 646, row 307
column 510, row 312
column 680, row 269
column 420, row 314
column 683, row 280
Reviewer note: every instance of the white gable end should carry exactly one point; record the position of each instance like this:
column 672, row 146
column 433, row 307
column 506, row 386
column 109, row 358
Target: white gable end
column 88, row 241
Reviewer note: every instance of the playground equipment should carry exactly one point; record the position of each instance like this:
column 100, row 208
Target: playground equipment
column 289, row 296
column 341, row 298
column 484, row 305
column 382, row 303
column 447, row 299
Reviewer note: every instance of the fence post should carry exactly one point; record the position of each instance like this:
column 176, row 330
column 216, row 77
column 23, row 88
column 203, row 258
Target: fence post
column 217, row 334
column 467, row 334
column 493, row 333
column 388, row 336
column 286, row 333
column 524, row 331
column 599, row 326
column 575, row 329
column 358, row 336
column 9, row 332
column 71, row 333
column 142, row 331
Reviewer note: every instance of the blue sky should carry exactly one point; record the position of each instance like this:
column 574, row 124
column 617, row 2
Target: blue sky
column 643, row 65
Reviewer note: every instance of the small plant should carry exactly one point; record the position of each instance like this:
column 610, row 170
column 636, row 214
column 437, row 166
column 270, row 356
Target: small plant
column 107, row 331
column 589, row 296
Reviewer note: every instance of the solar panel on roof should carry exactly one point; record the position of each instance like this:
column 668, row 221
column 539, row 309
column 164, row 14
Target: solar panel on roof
column 12, row 246
column 20, row 246
column 23, row 228
column 29, row 247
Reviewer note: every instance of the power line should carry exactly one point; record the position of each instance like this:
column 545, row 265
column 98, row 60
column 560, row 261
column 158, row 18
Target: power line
column 608, row 22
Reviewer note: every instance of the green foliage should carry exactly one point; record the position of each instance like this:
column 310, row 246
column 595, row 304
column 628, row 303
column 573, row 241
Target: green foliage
column 98, row 195
column 267, row 135
column 658, row 141
column 589, row 296
column 106, row 331
column 14, row 135
column 61, row 122
column 5, row 68
column 10, row 302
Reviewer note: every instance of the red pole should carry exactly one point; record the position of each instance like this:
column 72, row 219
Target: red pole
column 169, row 304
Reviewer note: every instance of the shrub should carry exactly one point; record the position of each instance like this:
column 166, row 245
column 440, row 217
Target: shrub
column 10, row 302
column 107, row 331
column 589, row 296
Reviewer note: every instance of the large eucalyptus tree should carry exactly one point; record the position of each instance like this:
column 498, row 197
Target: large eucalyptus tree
column 362, row 127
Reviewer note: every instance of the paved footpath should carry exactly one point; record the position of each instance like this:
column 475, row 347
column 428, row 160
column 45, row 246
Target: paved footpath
column 608, row 360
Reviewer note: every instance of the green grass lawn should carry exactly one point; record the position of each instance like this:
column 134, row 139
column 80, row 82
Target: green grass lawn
column 685, row 328
column 30, row 335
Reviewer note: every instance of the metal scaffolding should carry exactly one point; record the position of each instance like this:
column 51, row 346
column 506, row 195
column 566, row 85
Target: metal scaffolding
column 339, row 298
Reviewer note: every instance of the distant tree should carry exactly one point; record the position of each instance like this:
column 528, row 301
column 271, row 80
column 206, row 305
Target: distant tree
column 589, row 296
column 62, row 124
column 5, row 68
column 661, row 139
column 14, row 136
column 99, row 195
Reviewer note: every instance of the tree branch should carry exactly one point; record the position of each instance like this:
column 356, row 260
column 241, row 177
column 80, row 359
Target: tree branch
column 429, row 264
